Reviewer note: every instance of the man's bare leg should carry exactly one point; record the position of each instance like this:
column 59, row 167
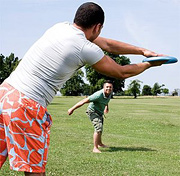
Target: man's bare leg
column 34, row 174
column 100, row 144
column 97, row 140
column 103, row 145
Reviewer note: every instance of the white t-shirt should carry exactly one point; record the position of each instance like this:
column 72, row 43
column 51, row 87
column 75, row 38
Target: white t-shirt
column 52, row 60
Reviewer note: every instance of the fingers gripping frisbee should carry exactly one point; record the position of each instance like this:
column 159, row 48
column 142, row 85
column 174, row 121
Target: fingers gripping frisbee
column 168, row 59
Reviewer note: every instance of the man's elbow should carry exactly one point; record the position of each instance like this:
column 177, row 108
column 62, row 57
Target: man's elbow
column 116, row 75
column 122, row 76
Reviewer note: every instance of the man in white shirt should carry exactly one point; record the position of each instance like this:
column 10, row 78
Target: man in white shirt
column 51, row 61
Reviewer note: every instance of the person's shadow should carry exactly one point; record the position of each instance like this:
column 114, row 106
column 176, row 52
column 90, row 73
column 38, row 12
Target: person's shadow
column 131, row 149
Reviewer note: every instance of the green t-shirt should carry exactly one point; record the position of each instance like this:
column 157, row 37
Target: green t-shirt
column 98, row 101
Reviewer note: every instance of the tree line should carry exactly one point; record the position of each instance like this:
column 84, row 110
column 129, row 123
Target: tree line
column 134, row 88
column 88, row 81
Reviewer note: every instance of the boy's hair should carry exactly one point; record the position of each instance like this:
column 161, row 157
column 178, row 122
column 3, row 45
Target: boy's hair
column 89, row 14
column 108, row 81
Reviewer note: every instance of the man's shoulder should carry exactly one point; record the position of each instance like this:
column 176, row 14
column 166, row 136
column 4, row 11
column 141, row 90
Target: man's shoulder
column 99, row 93
column 96, row 94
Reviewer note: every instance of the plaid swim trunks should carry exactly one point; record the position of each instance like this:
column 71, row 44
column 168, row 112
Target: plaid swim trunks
column 24, row 131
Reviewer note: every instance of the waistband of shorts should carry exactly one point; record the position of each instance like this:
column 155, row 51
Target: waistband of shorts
column 10, row 88
column 91, row 111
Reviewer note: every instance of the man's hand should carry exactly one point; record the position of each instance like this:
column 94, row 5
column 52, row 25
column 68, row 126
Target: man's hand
column 106, row 111
column 70, row 111
column 77, row 105
column 148, row 53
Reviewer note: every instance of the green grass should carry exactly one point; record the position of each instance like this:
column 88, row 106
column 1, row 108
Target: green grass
column 143, row 135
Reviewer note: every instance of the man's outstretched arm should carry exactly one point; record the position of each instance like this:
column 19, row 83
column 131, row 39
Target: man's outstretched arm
column 109, row 67
column 118, row 47
column 77, row 105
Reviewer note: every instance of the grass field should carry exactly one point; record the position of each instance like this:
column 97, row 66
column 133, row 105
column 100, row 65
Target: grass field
column 143, row 135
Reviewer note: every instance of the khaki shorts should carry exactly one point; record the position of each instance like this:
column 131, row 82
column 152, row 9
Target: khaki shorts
column 24, row 131
column 96, row 119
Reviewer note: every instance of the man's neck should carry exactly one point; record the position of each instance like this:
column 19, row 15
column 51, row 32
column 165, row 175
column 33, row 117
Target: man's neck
column 87, row 32
column 106, row 94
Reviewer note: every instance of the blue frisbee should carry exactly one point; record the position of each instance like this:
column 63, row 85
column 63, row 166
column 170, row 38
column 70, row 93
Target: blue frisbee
column 168, row 59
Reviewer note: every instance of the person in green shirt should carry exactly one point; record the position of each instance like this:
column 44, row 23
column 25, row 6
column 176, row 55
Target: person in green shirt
column 98, row 105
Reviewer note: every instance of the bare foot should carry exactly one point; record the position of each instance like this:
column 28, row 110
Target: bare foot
column 103, row 146
column 96, row 150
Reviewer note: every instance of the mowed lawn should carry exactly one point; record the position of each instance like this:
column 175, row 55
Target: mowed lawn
column 143, row 135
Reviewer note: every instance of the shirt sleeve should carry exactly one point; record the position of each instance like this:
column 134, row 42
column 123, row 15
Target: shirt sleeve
column 95, row 96
column 91, row 53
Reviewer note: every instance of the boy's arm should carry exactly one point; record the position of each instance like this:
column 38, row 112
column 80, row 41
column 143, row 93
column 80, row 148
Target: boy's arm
column 77, row 105
column 106, row 110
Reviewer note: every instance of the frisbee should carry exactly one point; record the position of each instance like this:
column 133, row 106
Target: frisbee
column 168, row 59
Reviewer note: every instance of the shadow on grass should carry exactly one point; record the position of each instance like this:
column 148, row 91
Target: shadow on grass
column 131, row 149
column 52, row 104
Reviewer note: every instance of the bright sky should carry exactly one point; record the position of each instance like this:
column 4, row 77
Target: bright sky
column 152, row 24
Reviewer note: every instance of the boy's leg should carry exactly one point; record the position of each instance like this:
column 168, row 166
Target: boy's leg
column 97, row 140
column 97, row 122
column 100, row 144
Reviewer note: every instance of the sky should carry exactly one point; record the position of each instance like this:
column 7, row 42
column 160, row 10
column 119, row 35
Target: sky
column 151, row 24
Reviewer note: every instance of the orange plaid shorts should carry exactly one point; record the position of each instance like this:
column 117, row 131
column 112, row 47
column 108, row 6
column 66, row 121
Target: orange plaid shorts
column 24, row 131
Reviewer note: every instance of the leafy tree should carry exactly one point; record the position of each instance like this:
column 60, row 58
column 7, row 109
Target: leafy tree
column 127, row 92
column 146, row 90
column 96, row 79
column 165, row 91
column 74, row 86
column 175, row 92
column 134, row 87
column 7, row 65
column 157, row 89
column 87, row 89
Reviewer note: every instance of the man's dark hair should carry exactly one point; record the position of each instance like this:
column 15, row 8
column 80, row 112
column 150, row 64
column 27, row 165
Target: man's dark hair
column 89, row 14
column 108, row 81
